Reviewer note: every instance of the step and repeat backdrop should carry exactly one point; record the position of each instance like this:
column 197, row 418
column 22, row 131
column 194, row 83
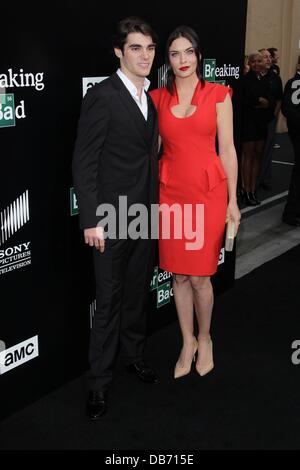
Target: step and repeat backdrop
column 49, row 58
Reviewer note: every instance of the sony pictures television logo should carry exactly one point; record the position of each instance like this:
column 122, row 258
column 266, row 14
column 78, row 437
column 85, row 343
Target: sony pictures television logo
column 12, row 219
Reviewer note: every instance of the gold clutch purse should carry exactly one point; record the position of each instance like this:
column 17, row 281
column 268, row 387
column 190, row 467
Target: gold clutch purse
column 229, row 236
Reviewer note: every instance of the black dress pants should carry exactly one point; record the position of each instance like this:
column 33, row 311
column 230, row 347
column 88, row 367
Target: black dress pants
column 123, row 274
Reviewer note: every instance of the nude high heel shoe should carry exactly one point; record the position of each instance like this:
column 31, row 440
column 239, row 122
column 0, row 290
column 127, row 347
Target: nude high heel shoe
column 181, row 370
column 205, row 366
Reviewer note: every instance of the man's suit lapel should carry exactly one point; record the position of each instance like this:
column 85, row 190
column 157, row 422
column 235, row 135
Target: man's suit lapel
column 152, row 126
column 131, row 107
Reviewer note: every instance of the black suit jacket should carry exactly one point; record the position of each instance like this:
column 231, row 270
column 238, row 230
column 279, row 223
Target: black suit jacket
column 115, row 151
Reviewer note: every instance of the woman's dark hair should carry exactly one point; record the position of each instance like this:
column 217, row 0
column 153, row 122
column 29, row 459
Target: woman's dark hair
column 132, row 24
column 188, row 33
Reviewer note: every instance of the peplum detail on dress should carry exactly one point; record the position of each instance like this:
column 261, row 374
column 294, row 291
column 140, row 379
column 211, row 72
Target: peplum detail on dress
column 215, row 174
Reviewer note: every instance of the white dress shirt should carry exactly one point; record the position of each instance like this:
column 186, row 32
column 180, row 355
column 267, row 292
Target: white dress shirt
column 143, row 103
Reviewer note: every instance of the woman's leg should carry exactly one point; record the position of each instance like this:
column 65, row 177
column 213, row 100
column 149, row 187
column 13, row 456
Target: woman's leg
column 183, row 295
column 203, row 300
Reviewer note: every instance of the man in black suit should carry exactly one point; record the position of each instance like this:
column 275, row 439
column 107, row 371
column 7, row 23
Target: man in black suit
column 116, row 155
column 291, row 110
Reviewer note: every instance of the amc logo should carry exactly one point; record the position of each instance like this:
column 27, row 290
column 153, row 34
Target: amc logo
column 18, row 354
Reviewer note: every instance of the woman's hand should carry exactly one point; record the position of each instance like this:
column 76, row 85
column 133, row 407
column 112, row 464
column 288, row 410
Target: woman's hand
column 233, row 213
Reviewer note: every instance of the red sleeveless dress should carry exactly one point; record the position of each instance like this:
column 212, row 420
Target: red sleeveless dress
column 191, row 175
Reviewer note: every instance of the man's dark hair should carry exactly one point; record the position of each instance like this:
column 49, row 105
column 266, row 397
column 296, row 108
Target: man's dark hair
column 132, row 24
column 272, row 51
column 191, row 35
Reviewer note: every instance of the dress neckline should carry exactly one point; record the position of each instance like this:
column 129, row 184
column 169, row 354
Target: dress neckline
column 194, row 101
column 194, row 97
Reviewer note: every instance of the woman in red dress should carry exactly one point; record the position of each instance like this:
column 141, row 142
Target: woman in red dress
column 199, row 185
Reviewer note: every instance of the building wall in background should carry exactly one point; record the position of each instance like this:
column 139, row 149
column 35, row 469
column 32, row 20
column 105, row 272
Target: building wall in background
column 275, row 23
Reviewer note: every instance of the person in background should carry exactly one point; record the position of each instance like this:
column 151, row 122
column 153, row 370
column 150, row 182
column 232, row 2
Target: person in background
column 116, row 155
column 191, row 112
column 274, row 58
column 291, row 110
column 240, row 189
column 276, row 96
column 256, row 115
column 246, row 65
column 275, row 67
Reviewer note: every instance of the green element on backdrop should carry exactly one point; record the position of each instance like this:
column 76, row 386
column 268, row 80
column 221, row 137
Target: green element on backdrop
column 73, row 202
column 154, row 280
column 164, row 293
column 7, row 110
column 162, row 284
column 209, row 71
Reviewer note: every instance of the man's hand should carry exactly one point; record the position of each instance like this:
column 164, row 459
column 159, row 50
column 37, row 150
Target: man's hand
column 95, row 237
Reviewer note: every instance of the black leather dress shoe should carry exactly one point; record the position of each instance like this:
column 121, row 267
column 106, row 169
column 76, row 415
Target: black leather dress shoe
column 143, row 372
column 294, row 221
column 96, row 404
